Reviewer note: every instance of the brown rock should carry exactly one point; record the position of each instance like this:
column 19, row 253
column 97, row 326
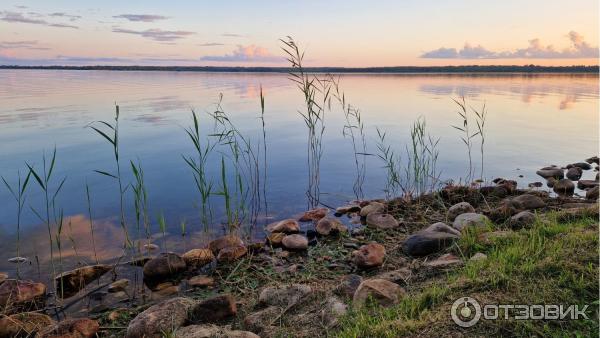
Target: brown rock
column 383, row 292
column 72, row 328
column 201, row 281
column 163, row 266
column 287, row 226
column 213, row 309
column 444, row 261
column 564, row 187
column 574, row 173
column 3, row 277
column 372, row 207
column 459, row 208
column 25, row 324
column 528, row 201
column 369, row 256
column 592, row 194
column 347, row 209
column 381, row 221
column 225, row 241
column 587, row 184
column 159, row 318
column 399, row 276
column 231, row 254
column 295, row 242
column 21, row 295
column 326, row 226
column 70, row 282
column 522, row 219
column 275, row 239
column 283, row 296
column 314, row 215
column 118, row 286
column 348, row 285
column 198, row 257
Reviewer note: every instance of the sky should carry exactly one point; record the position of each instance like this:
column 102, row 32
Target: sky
column 332, row 33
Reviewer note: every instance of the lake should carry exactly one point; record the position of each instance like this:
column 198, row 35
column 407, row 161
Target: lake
column 534, row 120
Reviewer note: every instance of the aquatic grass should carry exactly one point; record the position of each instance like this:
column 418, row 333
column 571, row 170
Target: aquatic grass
column 264, row 134
column 18, row 193
column 162, row 225
column 392, row 164
column 316, row 92
column 91, row 217
column 354, row 129
column 58, row 241
column 469, row 134
column 114, row 142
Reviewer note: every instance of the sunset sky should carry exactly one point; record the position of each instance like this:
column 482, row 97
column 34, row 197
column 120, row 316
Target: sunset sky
column 334, row 33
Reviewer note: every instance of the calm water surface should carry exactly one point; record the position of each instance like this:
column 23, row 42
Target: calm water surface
column 533, row 121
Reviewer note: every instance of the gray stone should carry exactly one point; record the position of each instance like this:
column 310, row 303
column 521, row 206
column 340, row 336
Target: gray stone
column 160, row 318
column 528, row 201
column 459, row 208
column 522, row 219
column 564, row 187
column 574, row 173
column 470, row 219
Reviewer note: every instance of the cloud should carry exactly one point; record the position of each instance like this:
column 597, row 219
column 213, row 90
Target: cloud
column 66, row 60
column 536, row 50
column 20, row 18
column 155, row 34
column 211, row 44
column 232, row 35
column 141, row 17
column 250, row 53
column 21, row 45
column 65, row 15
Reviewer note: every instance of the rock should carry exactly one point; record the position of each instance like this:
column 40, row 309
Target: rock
column 117, row 314
column 25, row 324
column 159, row 318
column 21, row 295
column 459, row 208
column 522, row 219
column 198, row 257
column 369, row 256
column 118, row 286
column 444, row 261
column 72, row 328
column 165, row 289
column 261, row 321
column 333, row 309
column 372, row 207
column 201, row 281
column 138, row 261
column 382, row 292
column 381, row 221
column 275, row 239
column 330, row 226
column 564, row 187
column 211, row 331
column 288, row 226
column 151, row 247
column 3, row 277
column 535, row 185
column 478, row 257
column 347, row 209
column 231, row 253
column 314, row 215
column 424, row 243
column 442, row 227
column 574, row 173
column 295, row 242
column 348, row 285
column 581, row 165
column 593, row 159
column 528, row 202
column 163, row 266
column 554, row 172
column 283, row 296
column 17, row 260
column 225, row 241
column 213, row 309
column 592, row 194
column 491, row 237
column 587, row 184
column 399, row 276
column 470, row 219
column 70, row 282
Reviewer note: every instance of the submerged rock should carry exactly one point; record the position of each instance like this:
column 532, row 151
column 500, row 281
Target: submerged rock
column 381, row 291
column 160, row 318
column 347, row 209
column 369, row 256
column 459, row 208
column 21, row 295
column 382, row 221
column 70, row 282
column 535, row 185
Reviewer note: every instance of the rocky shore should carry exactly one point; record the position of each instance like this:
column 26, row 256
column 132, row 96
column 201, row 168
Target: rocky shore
column 295, row 282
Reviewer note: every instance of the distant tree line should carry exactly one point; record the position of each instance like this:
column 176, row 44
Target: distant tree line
column 367, row 70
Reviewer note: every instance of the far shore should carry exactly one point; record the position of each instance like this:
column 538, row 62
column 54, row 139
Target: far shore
column 473, row 69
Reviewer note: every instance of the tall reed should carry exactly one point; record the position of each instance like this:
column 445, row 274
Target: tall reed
column 18, row 193
column 89, row 207
column 113, row 140
column 469, row 134
column 316, row 93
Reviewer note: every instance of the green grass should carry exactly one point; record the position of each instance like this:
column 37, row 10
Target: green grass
column 554, row 262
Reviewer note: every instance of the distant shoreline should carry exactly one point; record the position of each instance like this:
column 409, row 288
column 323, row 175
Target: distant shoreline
column 340, row 70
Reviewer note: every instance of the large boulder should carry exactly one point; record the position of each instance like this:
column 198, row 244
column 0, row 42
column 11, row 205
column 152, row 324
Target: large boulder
column 382, row 221
column 160, row 318
column 25, row 324
column 198, row 257
column 213, row 309
column 211, row 331
column 369, row 256
column 459, row 208
column 21, row 295
column 574, row 173
column 554, row 172
column 164, row 266
column 470, row 219
column 581, row 165
column 70, row 282
column 381, row 291
column 72, row 328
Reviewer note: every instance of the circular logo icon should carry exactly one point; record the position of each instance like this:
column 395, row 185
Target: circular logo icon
column 466, row 311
